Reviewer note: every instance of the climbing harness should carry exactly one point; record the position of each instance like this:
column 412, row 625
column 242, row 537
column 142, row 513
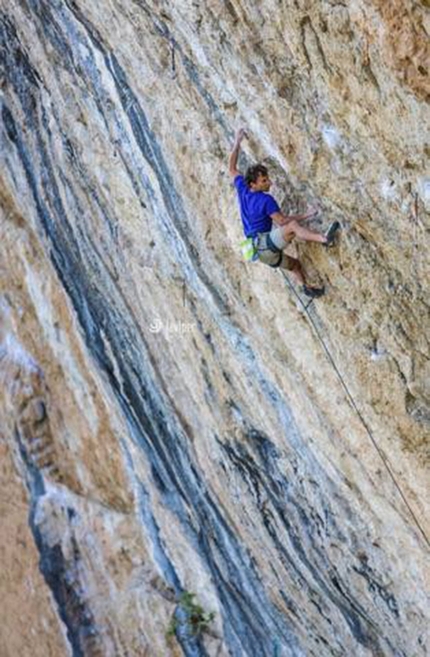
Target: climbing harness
column 251, row 248
column 355, row 407
column 271, row 247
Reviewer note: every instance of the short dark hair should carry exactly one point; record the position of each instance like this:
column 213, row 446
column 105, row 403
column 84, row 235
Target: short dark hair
column 253, row 172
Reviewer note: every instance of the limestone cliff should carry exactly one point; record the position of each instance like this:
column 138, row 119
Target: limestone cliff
column 170, row 420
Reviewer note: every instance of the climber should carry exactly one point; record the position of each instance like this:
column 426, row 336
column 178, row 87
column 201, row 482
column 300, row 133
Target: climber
column 267, row 229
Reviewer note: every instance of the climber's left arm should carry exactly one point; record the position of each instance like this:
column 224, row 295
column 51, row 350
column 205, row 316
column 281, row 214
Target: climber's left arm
column 282, row 219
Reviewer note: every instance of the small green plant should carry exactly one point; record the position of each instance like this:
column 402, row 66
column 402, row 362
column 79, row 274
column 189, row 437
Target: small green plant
column 171, row 630
column 197, row 620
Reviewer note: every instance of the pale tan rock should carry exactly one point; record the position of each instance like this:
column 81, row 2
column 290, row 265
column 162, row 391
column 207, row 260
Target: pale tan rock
column 169, row 419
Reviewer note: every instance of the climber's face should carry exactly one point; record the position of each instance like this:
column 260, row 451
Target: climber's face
column 262, row 184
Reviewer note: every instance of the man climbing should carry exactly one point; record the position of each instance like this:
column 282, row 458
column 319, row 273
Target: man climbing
column 268, row 229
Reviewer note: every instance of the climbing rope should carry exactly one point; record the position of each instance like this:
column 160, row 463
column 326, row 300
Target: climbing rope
column 355, row 407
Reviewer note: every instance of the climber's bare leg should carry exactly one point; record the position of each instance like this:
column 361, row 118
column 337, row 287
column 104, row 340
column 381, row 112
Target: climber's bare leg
column 293, row 265
column 294, row 229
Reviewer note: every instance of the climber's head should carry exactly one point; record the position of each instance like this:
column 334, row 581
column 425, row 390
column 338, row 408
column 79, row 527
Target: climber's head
column 257, row 178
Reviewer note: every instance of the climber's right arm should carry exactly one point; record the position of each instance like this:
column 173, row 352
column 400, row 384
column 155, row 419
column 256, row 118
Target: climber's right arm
column 234, row 155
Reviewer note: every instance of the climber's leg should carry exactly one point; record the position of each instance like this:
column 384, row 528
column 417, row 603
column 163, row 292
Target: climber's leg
column 294, row 229
column 293, row 265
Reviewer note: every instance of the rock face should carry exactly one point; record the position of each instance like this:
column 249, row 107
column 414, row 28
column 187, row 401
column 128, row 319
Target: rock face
column 170, row 420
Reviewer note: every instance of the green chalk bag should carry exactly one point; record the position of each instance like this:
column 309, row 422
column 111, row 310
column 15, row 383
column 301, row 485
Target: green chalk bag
column 249, row 252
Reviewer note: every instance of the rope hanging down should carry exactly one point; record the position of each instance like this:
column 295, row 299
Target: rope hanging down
column 356, row 409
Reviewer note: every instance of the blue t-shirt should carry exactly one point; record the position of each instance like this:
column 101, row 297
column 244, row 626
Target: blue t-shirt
column 255, row 208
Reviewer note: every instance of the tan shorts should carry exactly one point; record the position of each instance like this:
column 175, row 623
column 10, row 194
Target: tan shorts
column 269, row 248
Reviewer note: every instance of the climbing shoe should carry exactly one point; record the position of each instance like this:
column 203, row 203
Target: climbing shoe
column 331, row 233
column 313, row 292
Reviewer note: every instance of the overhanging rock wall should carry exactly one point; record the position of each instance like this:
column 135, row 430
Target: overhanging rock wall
column 169, row 419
